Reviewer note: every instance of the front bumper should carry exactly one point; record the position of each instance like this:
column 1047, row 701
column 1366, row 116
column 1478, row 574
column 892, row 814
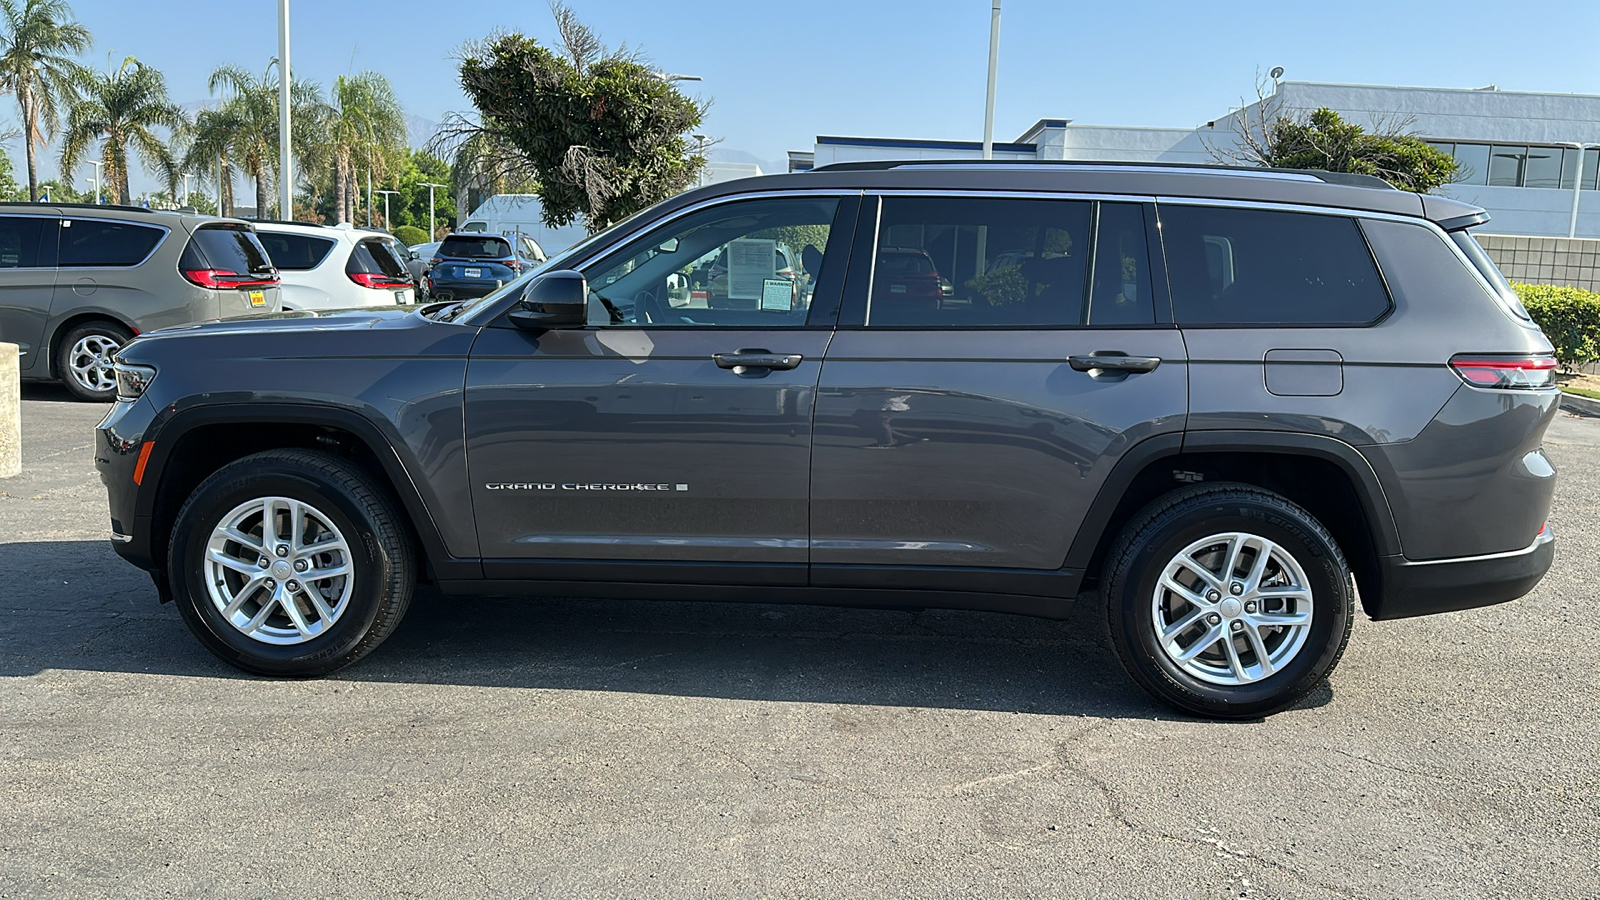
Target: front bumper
column 1445, row 585
column 118, row 441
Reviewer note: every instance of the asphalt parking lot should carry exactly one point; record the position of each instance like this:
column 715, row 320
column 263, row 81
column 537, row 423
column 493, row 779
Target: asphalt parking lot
column 586, row 749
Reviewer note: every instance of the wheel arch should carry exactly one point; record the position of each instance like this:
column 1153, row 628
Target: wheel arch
column 191, row 444
column 1327, row 477
column 57, row 332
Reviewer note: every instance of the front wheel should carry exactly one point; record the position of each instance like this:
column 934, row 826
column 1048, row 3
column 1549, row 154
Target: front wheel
column 291, row 563
column 1228, row 601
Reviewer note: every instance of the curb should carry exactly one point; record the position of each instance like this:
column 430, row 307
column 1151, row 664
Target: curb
column 1583, row 406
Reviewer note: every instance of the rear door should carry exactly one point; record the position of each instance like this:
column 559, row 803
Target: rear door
column 100, row 272
column 996, row 358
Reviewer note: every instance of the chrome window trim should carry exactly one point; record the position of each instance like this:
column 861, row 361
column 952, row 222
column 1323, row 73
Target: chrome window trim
column 1071, row 166
column 166, row 232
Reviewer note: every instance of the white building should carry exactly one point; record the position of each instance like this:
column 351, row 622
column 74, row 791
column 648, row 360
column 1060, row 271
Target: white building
column 1516, row 149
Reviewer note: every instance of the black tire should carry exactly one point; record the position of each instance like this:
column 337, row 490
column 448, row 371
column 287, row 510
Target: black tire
column 1171, row 524
column 103, row 330
column 381, row 557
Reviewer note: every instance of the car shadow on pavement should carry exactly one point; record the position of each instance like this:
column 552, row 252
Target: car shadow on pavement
column 77, row 606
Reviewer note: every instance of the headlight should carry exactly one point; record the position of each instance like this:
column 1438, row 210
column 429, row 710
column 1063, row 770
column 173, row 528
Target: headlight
column 132, row 380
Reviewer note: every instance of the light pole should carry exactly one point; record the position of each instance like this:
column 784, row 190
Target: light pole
column 430, row 186
column 97, row 167
column 285, row 159
column 369, row 198
column 388, row 224
column 700, row 150
column 186, row 176
column 1577, row 186
column 994, row 60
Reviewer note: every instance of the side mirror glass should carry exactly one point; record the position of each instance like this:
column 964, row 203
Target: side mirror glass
column 552, row 300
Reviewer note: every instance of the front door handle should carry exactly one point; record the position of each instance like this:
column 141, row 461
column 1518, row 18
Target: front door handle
column 740, row 360
column 1113, row 361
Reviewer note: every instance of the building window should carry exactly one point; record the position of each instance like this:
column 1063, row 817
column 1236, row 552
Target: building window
column 1521, row 165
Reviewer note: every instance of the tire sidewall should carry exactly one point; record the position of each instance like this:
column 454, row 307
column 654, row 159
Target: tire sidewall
column 1330, row 604
column 370, row 563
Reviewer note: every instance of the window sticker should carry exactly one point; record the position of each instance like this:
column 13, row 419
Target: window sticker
column 777, row 294
column 751, row 262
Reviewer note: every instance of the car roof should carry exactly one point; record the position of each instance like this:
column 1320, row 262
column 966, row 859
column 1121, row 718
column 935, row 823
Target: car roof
column 1287, row 186
column 190, row 218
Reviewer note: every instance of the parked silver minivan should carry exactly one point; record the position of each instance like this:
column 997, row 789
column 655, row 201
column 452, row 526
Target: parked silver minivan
column 78, row 282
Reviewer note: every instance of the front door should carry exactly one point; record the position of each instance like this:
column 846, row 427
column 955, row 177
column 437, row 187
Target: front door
column 995, row 359
column 676, row 426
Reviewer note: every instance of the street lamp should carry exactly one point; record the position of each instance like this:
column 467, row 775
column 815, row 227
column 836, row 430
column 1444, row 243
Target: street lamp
column 994, row 59
column 97, row 167
column 430, row 186
column 387, row 223
column 700, row 151
column 285, row 159
column 665, row 76
column 186, row 176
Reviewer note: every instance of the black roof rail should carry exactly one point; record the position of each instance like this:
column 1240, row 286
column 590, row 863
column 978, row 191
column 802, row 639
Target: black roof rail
column 1344, row 178
column 283, row 222
column 117, row 206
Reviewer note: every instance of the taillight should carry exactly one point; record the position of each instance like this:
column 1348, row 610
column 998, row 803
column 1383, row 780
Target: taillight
column 225, row 280
column 375, row 280
column 434, row 261
column 516, row 265
column 1505, row 372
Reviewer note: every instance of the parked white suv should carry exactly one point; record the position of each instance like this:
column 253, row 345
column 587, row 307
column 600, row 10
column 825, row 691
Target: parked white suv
column 336, row 267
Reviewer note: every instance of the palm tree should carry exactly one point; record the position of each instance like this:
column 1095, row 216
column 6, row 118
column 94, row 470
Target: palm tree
column 122, row 110
column 254, row 109
column 365, row 129
column 210, row 141
column 36, row 41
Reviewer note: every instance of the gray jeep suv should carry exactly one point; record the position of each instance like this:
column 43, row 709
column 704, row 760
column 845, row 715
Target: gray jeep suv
column 1215, row 402
column 78, row 281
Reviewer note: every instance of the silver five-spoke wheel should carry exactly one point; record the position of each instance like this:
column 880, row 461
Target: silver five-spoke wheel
column 1232, row 608
column 279, row 570
column 89, row 360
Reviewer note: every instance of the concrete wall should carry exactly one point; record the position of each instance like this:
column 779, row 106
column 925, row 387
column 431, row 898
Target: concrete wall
column 1540, row 260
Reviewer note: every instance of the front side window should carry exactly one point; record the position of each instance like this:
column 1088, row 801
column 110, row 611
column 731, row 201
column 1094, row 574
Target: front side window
column 750, row 264
column 102, row 243
column 1265, row 267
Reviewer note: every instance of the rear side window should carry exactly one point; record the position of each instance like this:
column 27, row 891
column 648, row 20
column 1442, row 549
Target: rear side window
column 1265, row 267
column 19, row 241
column 225, row 249
column 961, row 262
column 295, row 252
column 374, row 257
column 103, row 244
column 474, row 248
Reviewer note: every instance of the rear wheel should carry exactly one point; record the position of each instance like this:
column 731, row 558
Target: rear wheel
column 291, row 562
column 83, row 360
column 1228, row 601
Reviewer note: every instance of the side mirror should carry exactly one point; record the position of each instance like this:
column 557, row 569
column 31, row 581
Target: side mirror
column 412, row 254
column 552, row 300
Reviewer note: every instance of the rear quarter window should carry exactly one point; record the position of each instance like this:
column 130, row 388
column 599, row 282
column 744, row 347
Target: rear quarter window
column 295, row 252
column 373, row 256
column 1267, row 267
column 102, row 243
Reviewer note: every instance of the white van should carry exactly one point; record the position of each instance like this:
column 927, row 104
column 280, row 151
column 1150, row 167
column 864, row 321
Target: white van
column 521, row 214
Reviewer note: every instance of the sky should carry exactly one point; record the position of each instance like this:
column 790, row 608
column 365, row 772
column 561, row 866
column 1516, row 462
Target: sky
column 779, row 74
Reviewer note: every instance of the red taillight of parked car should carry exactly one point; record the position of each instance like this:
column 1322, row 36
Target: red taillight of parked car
column 225, row 280
column 1505, row 372
column 377, row 280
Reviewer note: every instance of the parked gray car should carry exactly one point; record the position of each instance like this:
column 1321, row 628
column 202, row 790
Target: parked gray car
column 79, row 282
column 1214, row 402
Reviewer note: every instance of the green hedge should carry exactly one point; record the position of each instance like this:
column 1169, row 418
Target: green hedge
column 1569, row 317
column 411, row 235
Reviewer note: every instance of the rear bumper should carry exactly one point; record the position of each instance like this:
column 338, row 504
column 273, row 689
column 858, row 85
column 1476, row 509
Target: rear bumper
column 463, row 290
column 1444, row 585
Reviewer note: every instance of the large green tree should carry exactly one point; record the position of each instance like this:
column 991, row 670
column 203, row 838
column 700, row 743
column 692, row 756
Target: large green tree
column 251, row 109
column 122, row 110
column 38, row 42
column 210, row 143
column 599, row 132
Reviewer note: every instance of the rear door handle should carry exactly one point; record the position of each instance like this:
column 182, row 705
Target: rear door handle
column 756, row 359
column 1113, row 361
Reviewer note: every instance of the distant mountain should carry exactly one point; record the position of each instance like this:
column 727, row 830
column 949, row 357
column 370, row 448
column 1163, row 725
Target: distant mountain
column 769, row 167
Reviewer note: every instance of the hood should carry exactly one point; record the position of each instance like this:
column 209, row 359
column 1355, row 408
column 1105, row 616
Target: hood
column 306, row 334
column 295, row 320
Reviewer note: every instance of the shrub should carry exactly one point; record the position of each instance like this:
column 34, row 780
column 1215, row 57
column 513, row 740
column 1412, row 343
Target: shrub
column 410, row 235
column 1569, row 317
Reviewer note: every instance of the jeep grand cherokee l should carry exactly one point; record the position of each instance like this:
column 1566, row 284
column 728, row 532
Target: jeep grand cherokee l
column 1216, row 401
